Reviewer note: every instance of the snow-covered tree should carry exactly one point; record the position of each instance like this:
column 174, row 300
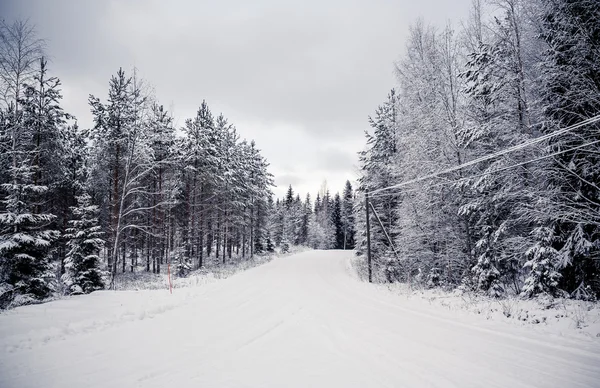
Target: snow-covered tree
column 336, row 220
column 27, row 232
column 543, row 276
column 25, row 235
column 83, row 272
column 348, row 223
column 377, row 171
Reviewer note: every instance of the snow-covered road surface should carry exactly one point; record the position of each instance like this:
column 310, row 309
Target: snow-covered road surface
column 300, row 321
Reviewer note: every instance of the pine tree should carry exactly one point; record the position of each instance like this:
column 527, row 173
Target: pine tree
column 110, row 136
column 336, row 220
column 83, row 273
column 49, row 142
column 25, row 236
column 162, row 183
column 291, row 217
column 259, row 192
column 198, row 165
column 305, row 222
column 269, row 225
column 27, row 233
column 289, row 197
column 349, row 229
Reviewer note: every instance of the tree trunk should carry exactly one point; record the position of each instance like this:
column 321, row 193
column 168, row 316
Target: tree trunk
column 224, row 241
column 244, row 243
column 133, row 256
column 147, row 255
column 218, row 242
column 252, row 231
column 124, row 256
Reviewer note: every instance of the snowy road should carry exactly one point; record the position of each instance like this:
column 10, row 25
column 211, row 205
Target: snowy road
column 299, row 321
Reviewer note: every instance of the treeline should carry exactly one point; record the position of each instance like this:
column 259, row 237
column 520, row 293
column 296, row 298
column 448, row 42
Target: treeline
column 326, row 224
column 526, row 222
column 132, row 193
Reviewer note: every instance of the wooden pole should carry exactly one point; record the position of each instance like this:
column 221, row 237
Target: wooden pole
column 368, row 238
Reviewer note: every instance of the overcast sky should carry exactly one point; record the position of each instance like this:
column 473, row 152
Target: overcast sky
column 299, row 77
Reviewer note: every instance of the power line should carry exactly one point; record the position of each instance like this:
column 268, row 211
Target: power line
column 494, row 155
column 495, row 171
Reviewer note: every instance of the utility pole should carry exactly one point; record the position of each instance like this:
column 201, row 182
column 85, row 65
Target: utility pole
column 368, row 238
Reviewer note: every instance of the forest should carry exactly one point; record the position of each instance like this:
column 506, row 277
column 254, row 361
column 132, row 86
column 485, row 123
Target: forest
column 522, row 76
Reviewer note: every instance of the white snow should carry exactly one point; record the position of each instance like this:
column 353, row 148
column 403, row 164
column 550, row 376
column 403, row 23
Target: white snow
column 298, row 321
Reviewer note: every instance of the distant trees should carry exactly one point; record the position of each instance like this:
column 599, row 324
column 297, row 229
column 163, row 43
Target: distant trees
column 524, row 222
column 326, row 224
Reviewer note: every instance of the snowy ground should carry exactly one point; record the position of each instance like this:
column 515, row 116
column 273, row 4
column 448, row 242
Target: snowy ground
column 298, row 321
column 556, row 316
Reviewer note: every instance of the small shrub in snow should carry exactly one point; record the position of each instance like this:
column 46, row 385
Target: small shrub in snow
column 508, row 307
column 486, row 275
column 184, row 265
column 584, row 292
column 270, row 246
column 183, row 268
column 433, row 278
column 578, row 316
column 285, row 246
column 22, row 300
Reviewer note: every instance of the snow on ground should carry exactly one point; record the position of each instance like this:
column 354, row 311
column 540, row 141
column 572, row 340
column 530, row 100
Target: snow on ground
column 298, row 321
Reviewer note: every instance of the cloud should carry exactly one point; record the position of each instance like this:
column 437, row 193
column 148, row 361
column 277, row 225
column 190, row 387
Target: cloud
column 300, row 77
column 285, row 180
column 336, row 159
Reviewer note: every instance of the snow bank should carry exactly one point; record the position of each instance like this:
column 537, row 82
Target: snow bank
column 565, row 317
column 559, row 316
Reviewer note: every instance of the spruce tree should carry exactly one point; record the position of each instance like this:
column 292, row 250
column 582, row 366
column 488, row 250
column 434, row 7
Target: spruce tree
column 305, row 222
column 336, row 220
column 25, row 234
column 83, row 273
column 543, row 276
column 348, row 217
